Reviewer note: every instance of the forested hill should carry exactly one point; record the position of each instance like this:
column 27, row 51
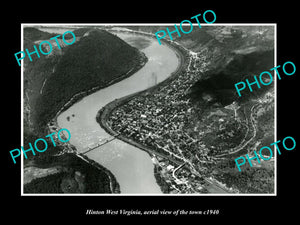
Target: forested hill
column 220, row 83
column 34, row 34
column 96, row 59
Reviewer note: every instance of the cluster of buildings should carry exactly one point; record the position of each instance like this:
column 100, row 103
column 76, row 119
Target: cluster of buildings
column 178, row 178
column 156, row 119
column 65, row 146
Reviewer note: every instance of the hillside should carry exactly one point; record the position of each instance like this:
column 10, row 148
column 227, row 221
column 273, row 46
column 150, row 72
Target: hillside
column 34, row 34
column 35, row 73
column 197, row 118
column 219, row 83
column 73, row 176
column 94, row 61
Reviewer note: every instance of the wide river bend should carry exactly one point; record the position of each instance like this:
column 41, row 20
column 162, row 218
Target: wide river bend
column 132, row 167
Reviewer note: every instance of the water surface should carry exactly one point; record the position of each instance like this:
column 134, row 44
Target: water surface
column 132, row 167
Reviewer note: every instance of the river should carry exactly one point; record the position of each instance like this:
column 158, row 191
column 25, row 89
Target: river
column 132, row 167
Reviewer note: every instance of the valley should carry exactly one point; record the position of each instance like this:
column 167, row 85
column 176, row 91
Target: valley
column 184, row 113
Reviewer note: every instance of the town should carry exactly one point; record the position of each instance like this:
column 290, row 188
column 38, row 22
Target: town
column 159, row 126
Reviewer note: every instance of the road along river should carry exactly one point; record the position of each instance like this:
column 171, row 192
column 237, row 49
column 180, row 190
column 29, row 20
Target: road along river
column 132, row 167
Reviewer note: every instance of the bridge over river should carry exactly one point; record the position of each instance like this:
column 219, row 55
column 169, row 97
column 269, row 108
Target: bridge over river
column 88, row 149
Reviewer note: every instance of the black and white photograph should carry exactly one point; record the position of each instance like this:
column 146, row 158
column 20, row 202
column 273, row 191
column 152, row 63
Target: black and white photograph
column 145, row 117
column 138, row 111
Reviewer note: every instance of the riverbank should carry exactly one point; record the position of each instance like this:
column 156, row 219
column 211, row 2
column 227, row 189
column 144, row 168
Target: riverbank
column 70, row 173
column 168, row 159
column 67, row 148
column 168, row 120
column 77, row 97
column 105, row 112
column 64, row 162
